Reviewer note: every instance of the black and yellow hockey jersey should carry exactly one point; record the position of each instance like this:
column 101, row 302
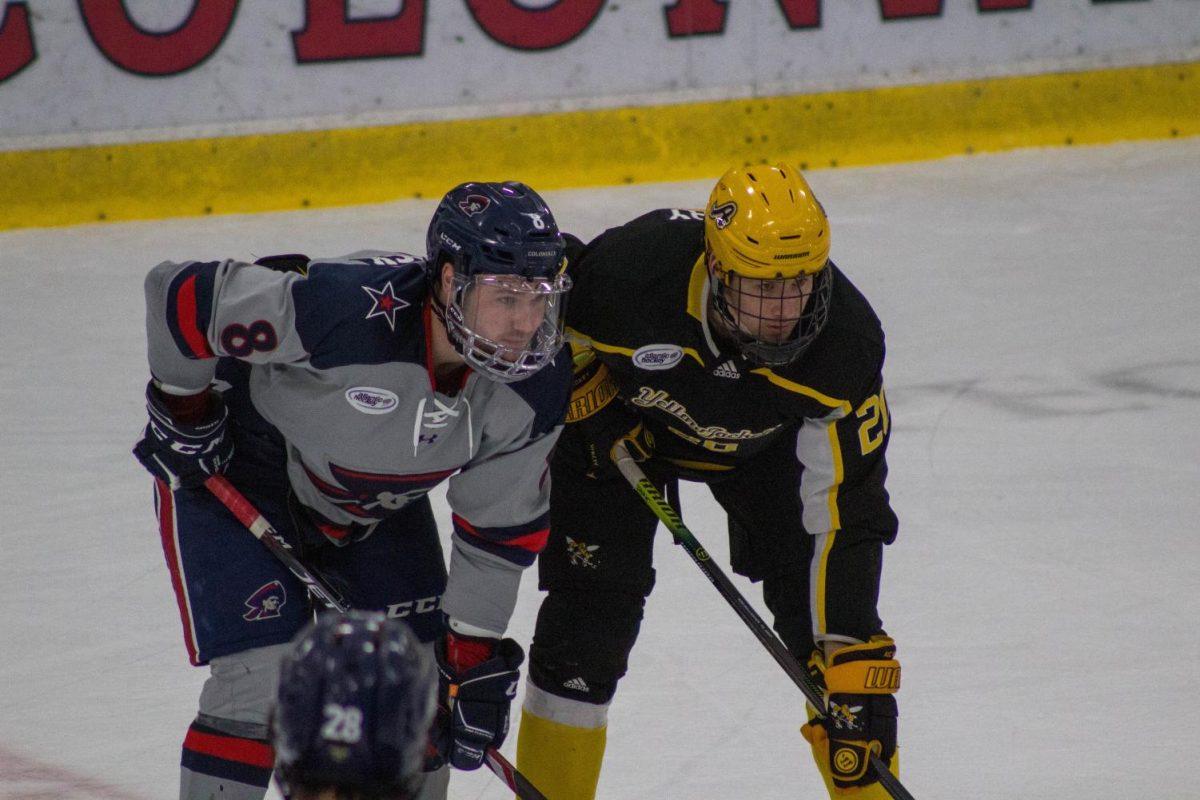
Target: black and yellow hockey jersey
column 640, row 302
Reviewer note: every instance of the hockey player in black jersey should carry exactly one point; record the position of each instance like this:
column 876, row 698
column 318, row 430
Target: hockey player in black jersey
column 720, row 346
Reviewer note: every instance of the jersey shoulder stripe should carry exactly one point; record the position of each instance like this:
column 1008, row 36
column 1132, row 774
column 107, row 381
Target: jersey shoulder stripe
column 189, row 308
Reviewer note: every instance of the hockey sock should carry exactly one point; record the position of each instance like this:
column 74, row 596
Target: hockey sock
column 218, row 764
column 561, row 760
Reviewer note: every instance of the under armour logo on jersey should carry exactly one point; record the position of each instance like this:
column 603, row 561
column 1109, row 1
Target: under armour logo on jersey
column 473, row 204
column 266, row 602
column 727, row 370
column 384, row 303
column 722, row 215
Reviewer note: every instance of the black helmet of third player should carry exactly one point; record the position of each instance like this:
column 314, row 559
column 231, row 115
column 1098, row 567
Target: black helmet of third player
column 503, row 304
column 767, row 248
column 356, row 698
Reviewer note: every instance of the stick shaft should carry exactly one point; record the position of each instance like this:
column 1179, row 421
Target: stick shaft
column 763, row 632
column 258, row 525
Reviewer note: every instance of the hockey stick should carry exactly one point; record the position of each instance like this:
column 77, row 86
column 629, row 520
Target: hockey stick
column 258, row 525
column 769, row 639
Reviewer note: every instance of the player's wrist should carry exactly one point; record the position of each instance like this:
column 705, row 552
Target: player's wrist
column 188, row 408
column 462, row 653
column 465, row 645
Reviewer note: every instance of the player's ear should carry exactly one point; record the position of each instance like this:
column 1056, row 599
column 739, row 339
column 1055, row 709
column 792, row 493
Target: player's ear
column 446, row 284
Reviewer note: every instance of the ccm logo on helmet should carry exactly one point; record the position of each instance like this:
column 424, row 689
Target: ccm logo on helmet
column 657, row 356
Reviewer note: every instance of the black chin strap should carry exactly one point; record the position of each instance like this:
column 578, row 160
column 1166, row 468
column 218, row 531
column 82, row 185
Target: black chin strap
column 437, row 306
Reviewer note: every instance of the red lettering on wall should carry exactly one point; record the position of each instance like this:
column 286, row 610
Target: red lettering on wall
column 330, row 35
column 534, row 29
column 130, row 47
column 696, row 17
column 1004, row 5
column 16, row 40
column 802, row 13
column 904, row 9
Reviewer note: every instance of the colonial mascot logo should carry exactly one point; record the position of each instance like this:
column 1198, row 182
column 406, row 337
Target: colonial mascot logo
column 266, row 602
column 474, row 204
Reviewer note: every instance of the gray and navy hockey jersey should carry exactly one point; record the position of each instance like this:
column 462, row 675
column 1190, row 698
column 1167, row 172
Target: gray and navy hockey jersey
column 339, row 364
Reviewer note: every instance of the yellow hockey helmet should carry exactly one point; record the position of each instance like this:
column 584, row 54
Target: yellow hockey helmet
column 764, row 223
column 767, row 250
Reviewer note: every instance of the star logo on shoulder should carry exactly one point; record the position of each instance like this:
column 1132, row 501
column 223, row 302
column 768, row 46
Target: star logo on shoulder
column 384, row 303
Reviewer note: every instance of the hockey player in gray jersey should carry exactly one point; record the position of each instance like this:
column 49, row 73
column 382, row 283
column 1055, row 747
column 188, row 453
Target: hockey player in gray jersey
column 335, row 394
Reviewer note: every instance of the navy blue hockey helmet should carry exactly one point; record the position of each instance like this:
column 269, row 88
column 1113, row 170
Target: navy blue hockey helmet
column 496, row 228
column 356, row 698
column 502, row 242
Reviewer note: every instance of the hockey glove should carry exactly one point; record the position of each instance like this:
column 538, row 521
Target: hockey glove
column 599, row 421
column 860, row 680
column 478, row 681
column 185, row 441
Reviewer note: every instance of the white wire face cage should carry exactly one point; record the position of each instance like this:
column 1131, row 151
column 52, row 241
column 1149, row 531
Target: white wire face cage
column 506, row 326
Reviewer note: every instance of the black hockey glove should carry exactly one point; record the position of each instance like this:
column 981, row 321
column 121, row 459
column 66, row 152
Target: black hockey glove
column 181, row 453
column 860, row 680
column 478, row 681
column 599, row 420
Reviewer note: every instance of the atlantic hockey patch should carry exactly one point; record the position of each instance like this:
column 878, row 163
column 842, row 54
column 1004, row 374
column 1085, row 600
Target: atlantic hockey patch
column 473, row 204
column 657, row 356
column 370, row 400
column 266, row 602
column 384, row 303
column 723, row 214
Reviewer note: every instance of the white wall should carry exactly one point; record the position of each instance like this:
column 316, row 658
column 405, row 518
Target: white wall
column 72, row 93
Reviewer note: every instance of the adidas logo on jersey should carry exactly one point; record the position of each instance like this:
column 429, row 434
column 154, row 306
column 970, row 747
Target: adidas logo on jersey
column 578, row 684
column 727, row 370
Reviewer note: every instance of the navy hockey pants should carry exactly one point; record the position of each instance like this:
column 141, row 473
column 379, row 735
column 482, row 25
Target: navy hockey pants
column 233, row 594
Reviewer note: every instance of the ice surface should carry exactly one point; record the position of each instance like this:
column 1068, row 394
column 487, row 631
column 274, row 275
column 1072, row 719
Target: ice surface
column 1041, row 310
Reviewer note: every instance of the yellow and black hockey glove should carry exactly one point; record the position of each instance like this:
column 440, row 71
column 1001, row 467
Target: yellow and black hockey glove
column 597, row 420
column 860, row 680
